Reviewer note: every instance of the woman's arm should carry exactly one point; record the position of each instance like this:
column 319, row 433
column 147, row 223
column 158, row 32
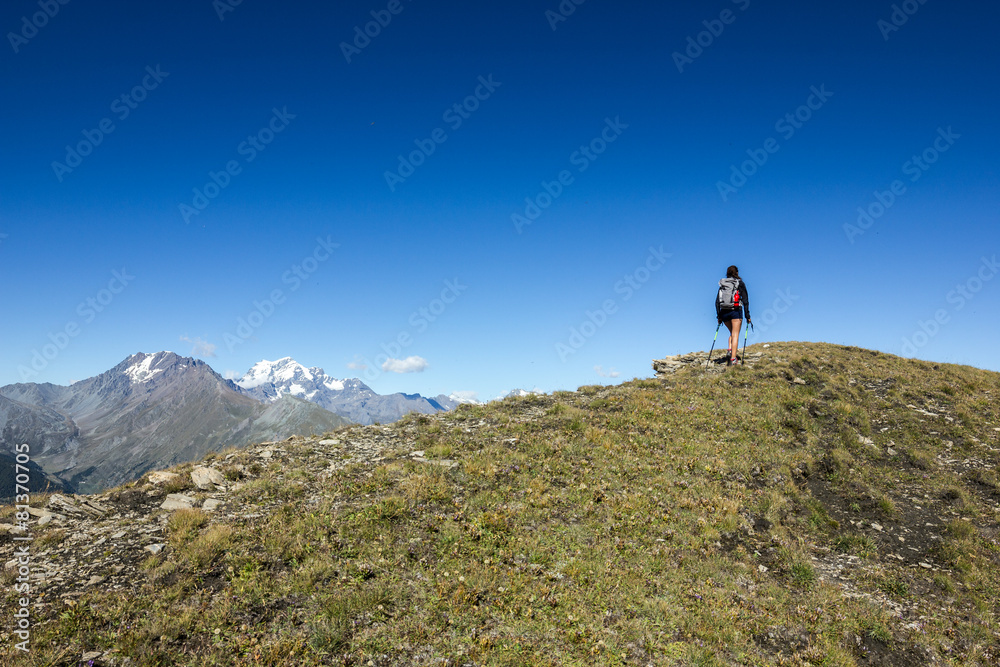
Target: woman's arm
column 745, row 299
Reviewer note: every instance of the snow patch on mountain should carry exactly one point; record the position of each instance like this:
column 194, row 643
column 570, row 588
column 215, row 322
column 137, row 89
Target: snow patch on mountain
column 281, row 371
column 350, row 397
column 142, row 371
column 465, row 397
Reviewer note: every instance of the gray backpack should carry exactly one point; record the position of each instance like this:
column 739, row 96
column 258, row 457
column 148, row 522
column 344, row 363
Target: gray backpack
column 729, row 294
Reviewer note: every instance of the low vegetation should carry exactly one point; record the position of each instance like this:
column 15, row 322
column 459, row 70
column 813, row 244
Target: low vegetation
column 826, row 506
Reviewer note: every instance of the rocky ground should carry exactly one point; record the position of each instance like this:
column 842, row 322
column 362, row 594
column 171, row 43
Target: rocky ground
column 870, row 514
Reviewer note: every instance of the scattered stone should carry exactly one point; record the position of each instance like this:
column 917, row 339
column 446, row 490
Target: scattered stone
column 91, row 655
column 178, row 501
column 94, row 580
column 266, row 454
column 120, row 534
column 329, row 442
column 207, row 478
column 162, row 477
column 154, row 548
column 446, row 463
column 418, row 453
column 40, row 513
column 876, row 526
column 45, row 519
column 798, row 380
column 211, row 504
column 926, row 566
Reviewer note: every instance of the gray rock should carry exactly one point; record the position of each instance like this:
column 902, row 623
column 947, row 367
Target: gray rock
column 211, row 504
column 178, row 501
column 162, row 477
column 206, row 478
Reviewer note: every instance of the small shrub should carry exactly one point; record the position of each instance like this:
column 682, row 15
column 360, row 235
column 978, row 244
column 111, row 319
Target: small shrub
column 893, row 586
column 874, row 628
column 858, row 545
column 803, row 574
column 183, row 526
column 389, row 509
column 961, row 530
column 886, row 506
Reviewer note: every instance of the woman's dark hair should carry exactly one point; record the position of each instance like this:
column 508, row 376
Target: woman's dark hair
column 732, row 272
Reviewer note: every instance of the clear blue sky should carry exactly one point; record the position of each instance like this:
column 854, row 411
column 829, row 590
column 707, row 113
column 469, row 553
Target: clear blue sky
column 266, row 90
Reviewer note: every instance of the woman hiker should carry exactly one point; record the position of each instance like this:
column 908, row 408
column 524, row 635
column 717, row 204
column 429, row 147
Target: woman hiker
column 730, row 304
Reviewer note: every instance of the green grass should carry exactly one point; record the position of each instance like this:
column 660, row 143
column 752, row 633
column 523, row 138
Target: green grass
column 620, row 525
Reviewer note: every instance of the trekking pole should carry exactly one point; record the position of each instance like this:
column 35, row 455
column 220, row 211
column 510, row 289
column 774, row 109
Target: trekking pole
column 713, row 343
column 744, row 358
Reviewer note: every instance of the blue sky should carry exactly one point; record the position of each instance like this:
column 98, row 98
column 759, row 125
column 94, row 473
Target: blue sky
column 218, row 155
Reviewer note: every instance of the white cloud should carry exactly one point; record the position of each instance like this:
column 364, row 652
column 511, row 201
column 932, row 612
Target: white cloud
column 409, row 365
column 232, row 375
column 357, row 366
column 465, row 396
column 199, row 347
column 610, row 373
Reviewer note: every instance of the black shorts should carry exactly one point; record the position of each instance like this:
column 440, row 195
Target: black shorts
column 735, row 314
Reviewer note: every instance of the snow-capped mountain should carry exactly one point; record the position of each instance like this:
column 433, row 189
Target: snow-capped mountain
column 350, row 398
column 149, row 411
column 520, row 393
column 464, row 399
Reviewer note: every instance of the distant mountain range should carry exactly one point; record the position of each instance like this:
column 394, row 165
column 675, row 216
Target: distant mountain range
column 155, row 410
column 351, row 398
column 150, row 411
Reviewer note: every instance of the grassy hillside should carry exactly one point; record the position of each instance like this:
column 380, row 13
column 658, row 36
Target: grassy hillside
column 827, row 506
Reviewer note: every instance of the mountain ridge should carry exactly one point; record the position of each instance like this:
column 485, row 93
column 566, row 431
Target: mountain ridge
column 820, row 505
column 149, row 410
column 350, row 397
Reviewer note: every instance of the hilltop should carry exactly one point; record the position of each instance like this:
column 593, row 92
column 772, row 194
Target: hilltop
column 820, row 505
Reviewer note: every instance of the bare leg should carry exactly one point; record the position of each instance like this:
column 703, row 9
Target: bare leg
column 734, row 337
column 729, row 325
